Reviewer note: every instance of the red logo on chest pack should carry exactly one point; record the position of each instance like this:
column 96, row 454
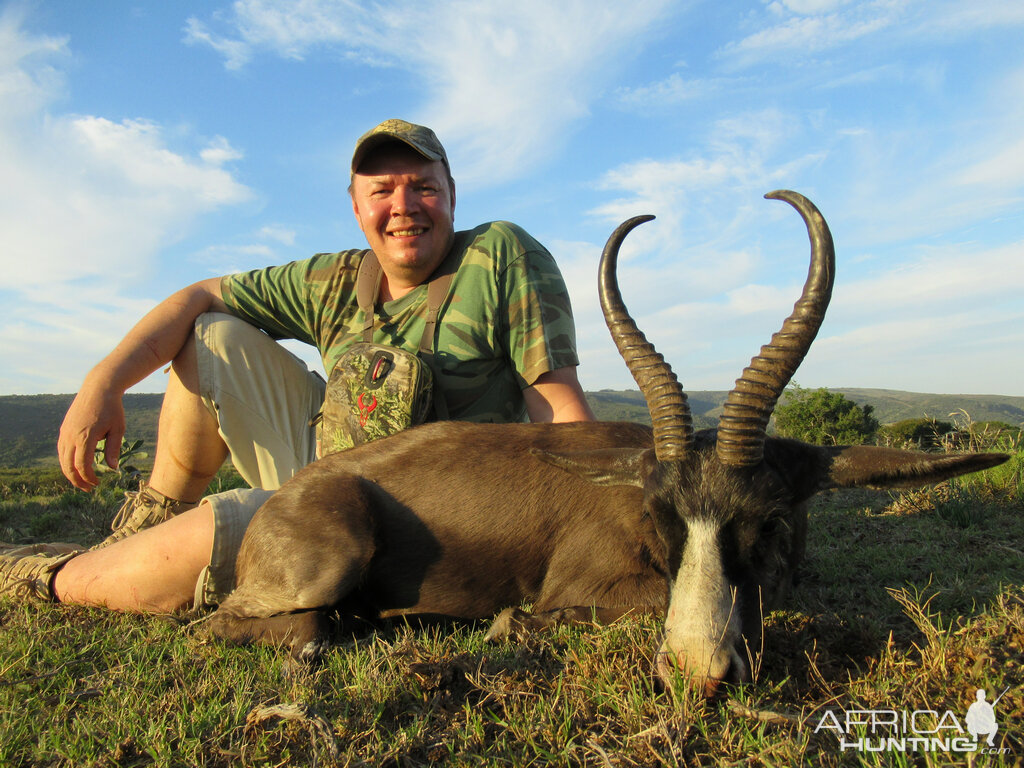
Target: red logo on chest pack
column 365, row 409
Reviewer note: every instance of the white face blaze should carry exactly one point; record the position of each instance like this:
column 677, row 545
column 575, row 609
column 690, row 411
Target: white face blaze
column 702, row 625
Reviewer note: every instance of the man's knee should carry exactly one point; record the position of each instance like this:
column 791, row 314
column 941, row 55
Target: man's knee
column 228, row 349
column 261, row 395
column 229, row 356
column 221, row 331
column 185, row 366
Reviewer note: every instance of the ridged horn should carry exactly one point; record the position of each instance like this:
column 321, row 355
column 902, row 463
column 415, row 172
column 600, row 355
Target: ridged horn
column 742, row 428
column 666, row 401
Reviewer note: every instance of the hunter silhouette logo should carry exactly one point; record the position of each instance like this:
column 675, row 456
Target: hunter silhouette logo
column 981, row 717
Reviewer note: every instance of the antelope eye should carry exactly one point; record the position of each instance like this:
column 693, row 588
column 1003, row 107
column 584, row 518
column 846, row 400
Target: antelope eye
column 770, row 525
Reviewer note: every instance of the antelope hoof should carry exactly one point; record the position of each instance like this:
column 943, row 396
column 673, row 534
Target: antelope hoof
column 510, row 624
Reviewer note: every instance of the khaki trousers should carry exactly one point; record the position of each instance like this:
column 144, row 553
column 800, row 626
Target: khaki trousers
column 264, row 399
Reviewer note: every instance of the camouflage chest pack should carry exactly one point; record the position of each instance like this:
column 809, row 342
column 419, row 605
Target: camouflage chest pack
column 375, row 390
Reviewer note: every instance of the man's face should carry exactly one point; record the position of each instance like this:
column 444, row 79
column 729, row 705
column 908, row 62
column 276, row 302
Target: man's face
column 405, row 206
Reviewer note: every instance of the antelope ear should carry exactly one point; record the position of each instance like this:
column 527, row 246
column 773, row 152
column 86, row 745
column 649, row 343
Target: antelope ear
column 605, row 466
column 875, row 467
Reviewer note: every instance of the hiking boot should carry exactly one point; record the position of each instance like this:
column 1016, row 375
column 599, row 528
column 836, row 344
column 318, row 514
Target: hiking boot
column 29, row 570
column 143, row 508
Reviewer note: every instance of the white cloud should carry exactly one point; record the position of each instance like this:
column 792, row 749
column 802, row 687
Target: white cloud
column 1004, row 168
column 236, row 53
column 27, row 80
column 944, row 322
column 940, row 321
column 805, row 7
column 672, row 90
column 706, row 206
column 51, row 334
column 259, row 251
column 134, row 153
column 86, row 205
column 801, row 35
column 290, row 29
column 226, row 259
column 928, row 180
column 937, row 280
column 793, row 30
column 86, row 196
column 503, row 83
column 278, row 234
column 705, row 293
column 949, row 351
column 952, row 17
column 996, row 162
column 220, row 152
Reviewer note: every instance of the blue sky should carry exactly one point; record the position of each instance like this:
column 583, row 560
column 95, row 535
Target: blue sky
column 144, row 146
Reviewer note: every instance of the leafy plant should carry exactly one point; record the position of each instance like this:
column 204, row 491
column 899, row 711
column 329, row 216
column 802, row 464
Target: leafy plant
column 960, row 501
column 920, row 434
column 128, row 474
column 970, row 435
column 823, row 418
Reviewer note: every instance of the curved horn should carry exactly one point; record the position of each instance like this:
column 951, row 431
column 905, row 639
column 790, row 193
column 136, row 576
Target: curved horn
column 742, row 428
column 666, row 401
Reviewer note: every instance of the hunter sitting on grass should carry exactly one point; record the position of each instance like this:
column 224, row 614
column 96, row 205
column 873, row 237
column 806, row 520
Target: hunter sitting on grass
column 503, row 350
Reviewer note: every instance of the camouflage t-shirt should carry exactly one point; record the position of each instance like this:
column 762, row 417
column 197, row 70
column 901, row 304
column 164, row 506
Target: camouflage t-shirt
column 506, row 319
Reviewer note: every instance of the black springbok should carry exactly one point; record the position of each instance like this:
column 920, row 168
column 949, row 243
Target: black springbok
column 582, row 520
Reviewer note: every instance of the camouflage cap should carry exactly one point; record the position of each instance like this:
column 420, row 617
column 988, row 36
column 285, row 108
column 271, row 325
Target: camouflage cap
column 419, row 137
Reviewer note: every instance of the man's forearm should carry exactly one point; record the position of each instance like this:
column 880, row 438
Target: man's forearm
column 97, row 412
column 156, row 339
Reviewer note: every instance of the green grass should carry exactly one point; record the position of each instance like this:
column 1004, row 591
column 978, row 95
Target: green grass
column 902, row 605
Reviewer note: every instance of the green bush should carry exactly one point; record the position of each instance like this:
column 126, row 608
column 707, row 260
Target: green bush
column 823, row 418
column 970, row 435
column 924, row 434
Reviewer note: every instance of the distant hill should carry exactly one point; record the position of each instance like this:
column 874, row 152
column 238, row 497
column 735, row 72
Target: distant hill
column 29, row 423
column 889, row 405
column 629, row 405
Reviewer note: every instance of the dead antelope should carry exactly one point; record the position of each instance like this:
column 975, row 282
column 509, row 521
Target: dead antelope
column 582, row 520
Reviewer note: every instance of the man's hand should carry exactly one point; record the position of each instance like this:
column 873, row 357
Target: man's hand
column 94, row 415
column 97, row 412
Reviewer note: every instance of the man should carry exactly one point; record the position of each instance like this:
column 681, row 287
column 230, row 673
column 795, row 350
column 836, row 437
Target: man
column 505, row 350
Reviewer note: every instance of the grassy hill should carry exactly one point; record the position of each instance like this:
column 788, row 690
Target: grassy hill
column 889, row 405
column 29, row 423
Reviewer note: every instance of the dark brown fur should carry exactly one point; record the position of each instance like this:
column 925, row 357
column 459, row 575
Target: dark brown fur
column 454, row 519
column 464, row 520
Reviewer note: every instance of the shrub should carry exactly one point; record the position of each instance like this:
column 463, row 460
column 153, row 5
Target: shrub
column 924, row 434
column 823, row 418
column 969, row 435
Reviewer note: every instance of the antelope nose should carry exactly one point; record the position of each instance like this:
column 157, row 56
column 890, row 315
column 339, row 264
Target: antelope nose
column 704, row 672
